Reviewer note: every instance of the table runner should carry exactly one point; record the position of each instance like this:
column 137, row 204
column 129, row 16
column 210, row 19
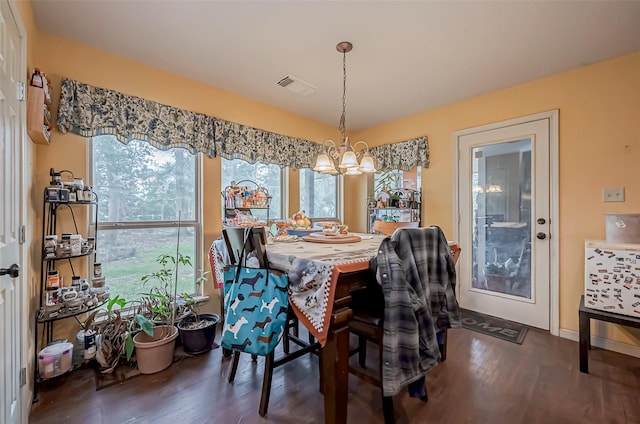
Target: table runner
column 313, row 270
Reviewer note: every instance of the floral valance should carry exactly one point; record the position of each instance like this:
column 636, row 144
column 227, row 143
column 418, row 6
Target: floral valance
column 91, row 111
column 404, row 155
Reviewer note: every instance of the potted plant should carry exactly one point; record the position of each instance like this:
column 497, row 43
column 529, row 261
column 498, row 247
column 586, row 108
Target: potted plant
column 154, row 350
column 394, row 200
column 160, row 305
column 197, row 331
column 115, row 333
column 112, row 333
column 496, row 276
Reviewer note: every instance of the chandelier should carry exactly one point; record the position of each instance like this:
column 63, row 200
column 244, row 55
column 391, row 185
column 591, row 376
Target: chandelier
column 344, row 153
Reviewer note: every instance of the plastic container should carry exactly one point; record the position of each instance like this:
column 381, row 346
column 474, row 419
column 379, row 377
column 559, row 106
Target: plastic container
column 55, row 360
column 623, row 227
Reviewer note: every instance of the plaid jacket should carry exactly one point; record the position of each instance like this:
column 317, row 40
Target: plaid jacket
column 417, row 275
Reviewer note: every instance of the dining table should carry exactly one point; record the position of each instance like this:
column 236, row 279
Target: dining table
column 322, row 275
column 323, row 272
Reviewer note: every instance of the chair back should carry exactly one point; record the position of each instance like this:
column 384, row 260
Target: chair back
column 387, row 228
column 455, row 251
column 215, row 267
column 256, row 242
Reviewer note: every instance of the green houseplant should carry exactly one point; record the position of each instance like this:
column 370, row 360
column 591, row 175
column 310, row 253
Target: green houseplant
column 116, row 333
column 155, row 352
column 161, row 304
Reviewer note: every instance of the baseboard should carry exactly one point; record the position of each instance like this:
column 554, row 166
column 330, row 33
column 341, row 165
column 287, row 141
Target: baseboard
column 601, row 342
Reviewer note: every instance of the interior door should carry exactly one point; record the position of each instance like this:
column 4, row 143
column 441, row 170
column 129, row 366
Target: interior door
column 11, row 287
column 504, row 206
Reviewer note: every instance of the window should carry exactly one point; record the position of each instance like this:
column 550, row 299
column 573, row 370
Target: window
column 318, row 194
column 397, row 179
column 142, row 191
column 266, row 175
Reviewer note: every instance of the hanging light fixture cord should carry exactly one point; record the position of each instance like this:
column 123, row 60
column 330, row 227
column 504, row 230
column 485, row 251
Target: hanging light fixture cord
column 342, row 126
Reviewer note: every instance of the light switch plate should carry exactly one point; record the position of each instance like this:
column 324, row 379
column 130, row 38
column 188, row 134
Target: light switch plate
column 613, row 194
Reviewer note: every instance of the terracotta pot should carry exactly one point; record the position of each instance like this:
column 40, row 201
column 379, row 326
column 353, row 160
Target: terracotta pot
column 155, row 353
column 496, row 283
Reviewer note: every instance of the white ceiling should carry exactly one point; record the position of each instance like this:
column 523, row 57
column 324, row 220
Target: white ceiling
column 408, row 56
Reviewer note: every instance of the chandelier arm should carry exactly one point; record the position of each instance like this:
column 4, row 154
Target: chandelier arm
column 328, row 144
column 366, row 149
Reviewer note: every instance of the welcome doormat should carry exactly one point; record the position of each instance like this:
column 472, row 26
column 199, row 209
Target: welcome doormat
column 493, row 326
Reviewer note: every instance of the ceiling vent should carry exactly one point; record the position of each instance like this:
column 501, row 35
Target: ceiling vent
column 296, row 85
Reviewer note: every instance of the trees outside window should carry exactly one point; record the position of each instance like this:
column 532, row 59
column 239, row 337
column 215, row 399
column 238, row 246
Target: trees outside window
column 142, row 191
column 319, row 194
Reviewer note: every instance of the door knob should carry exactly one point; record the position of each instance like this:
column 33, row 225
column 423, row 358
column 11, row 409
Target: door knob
column 541, row 236
column 541, row 221
column 13, row 271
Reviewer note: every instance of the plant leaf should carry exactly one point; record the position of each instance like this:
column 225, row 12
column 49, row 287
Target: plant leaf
column 129, row 346
column 145, row 324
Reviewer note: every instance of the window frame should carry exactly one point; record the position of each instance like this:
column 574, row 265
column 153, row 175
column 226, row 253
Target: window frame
column 284, row 189
column 338, row 199
column 196, row 223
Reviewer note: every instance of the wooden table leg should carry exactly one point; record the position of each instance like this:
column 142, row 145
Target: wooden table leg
column 335, row 364
column 585, row 340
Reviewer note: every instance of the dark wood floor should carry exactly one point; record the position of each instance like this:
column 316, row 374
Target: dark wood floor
column 484, row 380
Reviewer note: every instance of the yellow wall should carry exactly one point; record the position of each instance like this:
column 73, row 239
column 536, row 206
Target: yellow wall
column 60, row 57
column 599, row 146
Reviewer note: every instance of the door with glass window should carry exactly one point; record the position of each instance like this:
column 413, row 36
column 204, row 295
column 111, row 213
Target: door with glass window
column 504, row 206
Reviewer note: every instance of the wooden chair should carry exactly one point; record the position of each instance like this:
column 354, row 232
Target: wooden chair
column 368, row 325
column 257, row 244
column 387, row 228
column 217, row 284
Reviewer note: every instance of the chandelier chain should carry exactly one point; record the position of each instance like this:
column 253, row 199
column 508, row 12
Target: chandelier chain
column 342, row 127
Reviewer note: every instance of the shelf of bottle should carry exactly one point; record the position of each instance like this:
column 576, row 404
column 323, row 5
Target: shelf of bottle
column 59, row 258
column 247, row 208
column 82, row 310
column 77, row 202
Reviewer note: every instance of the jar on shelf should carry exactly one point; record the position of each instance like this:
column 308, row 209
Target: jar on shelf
column 53, row 279
column 64, row 247
column 97, row 270
column 36, row 79
column 76, row 283
column 50, row 245
column 75, row 243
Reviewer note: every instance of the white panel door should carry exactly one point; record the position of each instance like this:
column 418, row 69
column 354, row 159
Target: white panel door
column 504, row 224
column 12, row 324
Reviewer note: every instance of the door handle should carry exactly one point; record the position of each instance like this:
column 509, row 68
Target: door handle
column 13, row 271
column 541, row 236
